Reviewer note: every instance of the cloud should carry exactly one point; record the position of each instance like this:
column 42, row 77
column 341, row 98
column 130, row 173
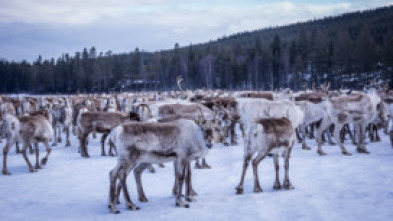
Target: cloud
column 32, row 27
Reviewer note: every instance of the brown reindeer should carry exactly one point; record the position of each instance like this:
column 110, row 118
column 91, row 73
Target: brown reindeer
column 100, row 122
column 271, row 136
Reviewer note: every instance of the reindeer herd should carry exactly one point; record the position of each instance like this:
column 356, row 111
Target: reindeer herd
column 143, row 129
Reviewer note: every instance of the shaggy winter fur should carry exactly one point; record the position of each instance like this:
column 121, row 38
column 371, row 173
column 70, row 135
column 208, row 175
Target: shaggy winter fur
column 271, row 135
column 251, row 110
column 180, row 141
column 62, row 119
column 99, row 122
column 359, row 109
column 29, row 129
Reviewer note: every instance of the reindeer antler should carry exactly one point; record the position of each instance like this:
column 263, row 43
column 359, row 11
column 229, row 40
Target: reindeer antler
column 179, row 79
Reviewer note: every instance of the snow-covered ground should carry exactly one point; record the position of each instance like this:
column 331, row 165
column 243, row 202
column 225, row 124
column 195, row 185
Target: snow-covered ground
column 333, row 187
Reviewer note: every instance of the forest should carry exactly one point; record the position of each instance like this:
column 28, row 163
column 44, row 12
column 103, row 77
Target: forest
column 348, row 50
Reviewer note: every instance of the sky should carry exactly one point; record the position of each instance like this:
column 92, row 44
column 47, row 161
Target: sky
column 50, row 28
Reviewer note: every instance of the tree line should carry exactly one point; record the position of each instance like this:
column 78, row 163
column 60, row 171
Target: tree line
column 348, row 51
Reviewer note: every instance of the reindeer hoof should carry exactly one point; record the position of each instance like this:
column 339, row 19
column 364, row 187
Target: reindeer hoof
column 321, row 153
column 362, row 150
column 346, row 153
column 190, row 199
column 206, row 167
column 288, row 186
column 226, row 144
column 258, row 190
column 197, row 166
column 143, row 199
column 306, row 148
column 193, row 193
column 6, row 172
column 32, row 170
column 132, row 207
column 277, row 186
column 38, row 167
column 239, row 191
column 161, row 165
column 182, row 204
column 44, row 161
column 152, row 170
column 68, row 144
column 54, row 144
column 114, row 210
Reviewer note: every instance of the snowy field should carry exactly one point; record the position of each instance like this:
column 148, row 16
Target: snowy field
column 333, row 187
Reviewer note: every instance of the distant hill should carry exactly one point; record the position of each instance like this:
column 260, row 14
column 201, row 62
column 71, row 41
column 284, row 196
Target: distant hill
column 348, row 50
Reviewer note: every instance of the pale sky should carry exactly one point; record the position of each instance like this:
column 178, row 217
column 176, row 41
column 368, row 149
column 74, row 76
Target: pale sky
column 29, row 28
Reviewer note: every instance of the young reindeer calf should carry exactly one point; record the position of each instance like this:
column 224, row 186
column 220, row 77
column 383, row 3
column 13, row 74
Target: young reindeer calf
column 270, row 135
column 180, row 141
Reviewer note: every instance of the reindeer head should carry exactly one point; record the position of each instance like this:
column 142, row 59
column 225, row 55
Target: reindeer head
column 211, row 131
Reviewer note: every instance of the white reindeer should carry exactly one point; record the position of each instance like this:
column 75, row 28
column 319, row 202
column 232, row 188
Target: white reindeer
column 180, row 141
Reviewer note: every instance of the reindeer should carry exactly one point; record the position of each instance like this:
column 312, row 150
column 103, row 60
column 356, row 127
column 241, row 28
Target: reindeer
column 271, row 135
column 29, row 129
column 62, row 120
column 101, row 122
column 180, row 141
column 360, row 109
column 195, row 112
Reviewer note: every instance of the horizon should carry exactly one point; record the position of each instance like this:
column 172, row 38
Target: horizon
column 51, row 29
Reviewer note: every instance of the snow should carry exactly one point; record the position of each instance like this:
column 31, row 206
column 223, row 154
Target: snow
column 332, row 187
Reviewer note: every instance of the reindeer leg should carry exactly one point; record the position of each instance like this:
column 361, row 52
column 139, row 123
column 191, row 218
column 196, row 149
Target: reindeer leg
column 37, row 156
column 113, row 176
column 204, row 164
column 233, row 134
column 138, row 179
column 377, row 137
column 54, row 143
column 59, row 140
column 299, row 139
column 255, row 163
column 48, row 151
column 24, row 150
column 336, row 133
column 82, row 143
column 103, row 144
column 329, row 134
column 287, row 184
column 361, row 148
column 7, row 147
column 322, row 127
column 176, row 184
column 188, row 184
column 277, row 184
column 304, row 144
column 122, row 177
column 68, row 143
column 239, row 188
column 17, row 147
column 181, row 176
column 31, row 151
column 197, row 164
column 191, row 192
